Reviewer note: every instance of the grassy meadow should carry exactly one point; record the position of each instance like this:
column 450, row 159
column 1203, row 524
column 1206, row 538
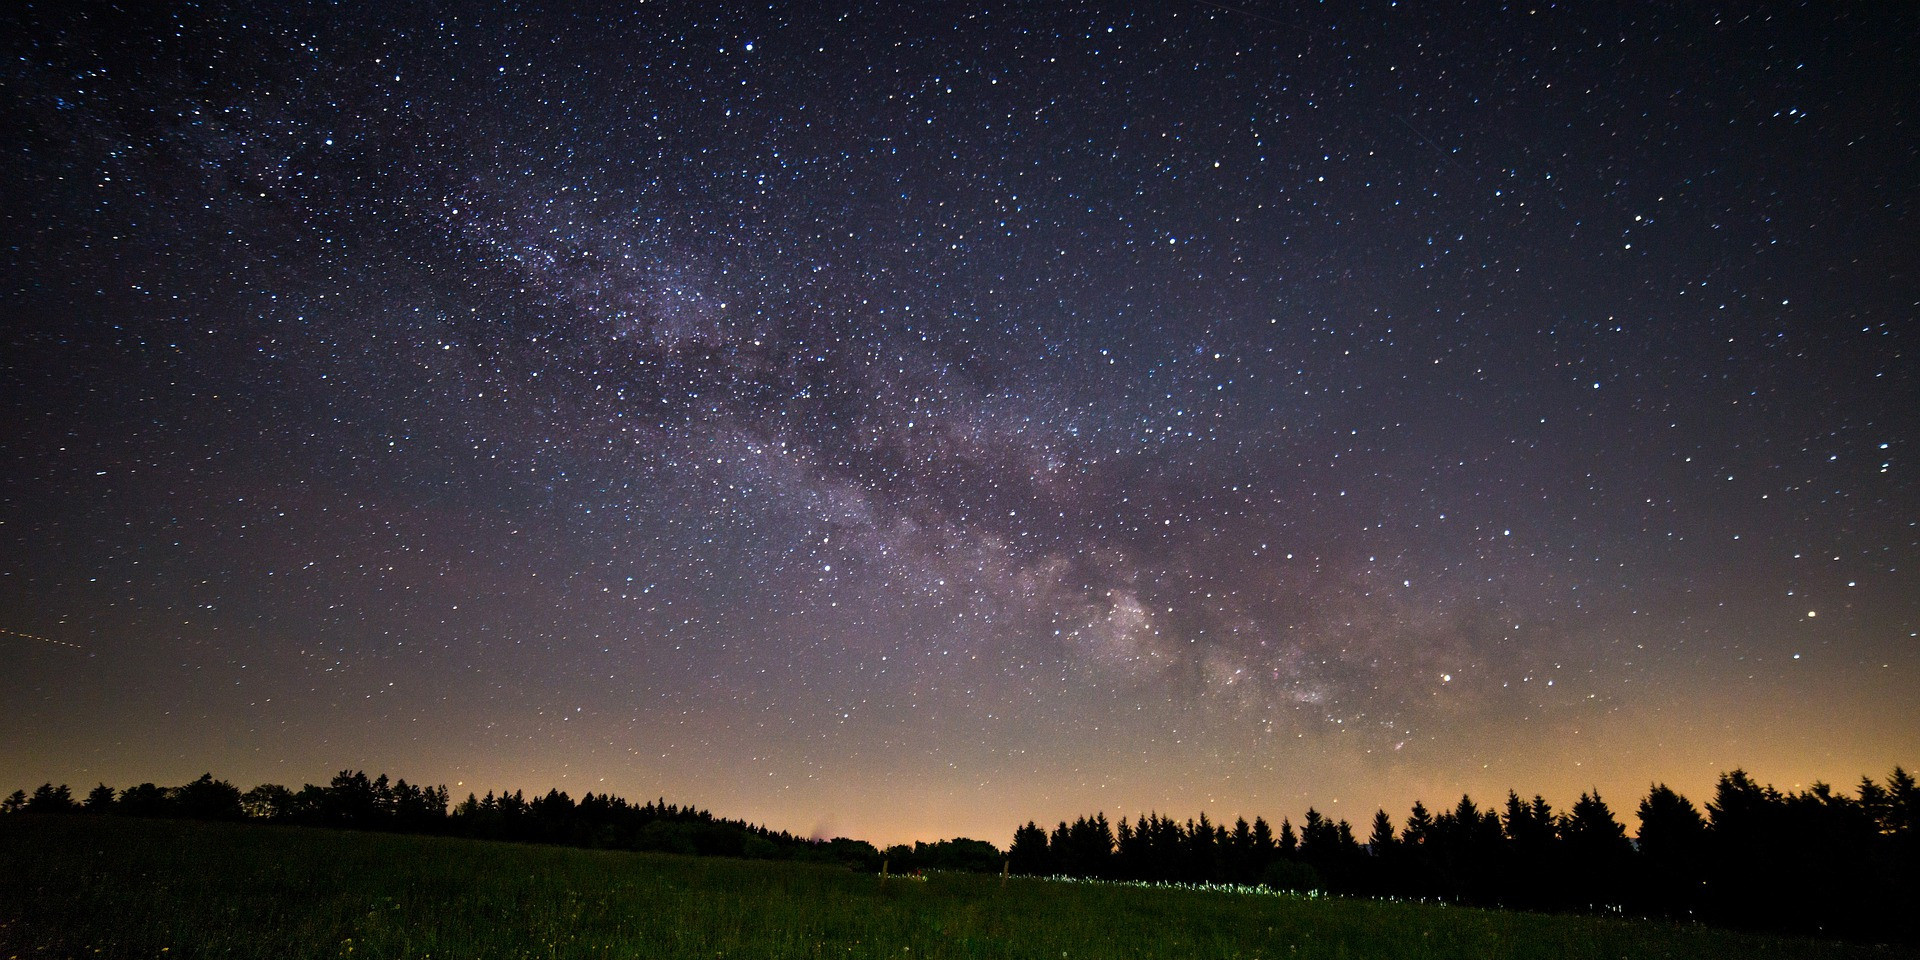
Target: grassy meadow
column 111, row 887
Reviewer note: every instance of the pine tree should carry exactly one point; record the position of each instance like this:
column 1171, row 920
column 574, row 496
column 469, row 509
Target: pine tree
column 1672, row 852
column 1903, row 803
column 1319, row 839
column 1530, row 826
column 1265, row 848
column 1740, row 807
column 1877, row 803
column 1381, row 842
column 1590, row 827
column 1101, row 846
column 1238, row 853
column 1203, row 852
column 1419, row 830
column 48, row 798
column 1671, row 830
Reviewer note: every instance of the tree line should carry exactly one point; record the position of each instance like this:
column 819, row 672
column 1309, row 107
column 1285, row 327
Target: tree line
column 353, row 800
column 1817, row 861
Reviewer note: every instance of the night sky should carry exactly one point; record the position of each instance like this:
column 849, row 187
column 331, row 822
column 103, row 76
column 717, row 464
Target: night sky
column 904, row 421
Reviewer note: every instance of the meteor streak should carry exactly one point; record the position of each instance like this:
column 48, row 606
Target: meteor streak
column 30, row 636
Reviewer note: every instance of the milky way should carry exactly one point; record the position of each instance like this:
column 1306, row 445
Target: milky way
column 906, row 423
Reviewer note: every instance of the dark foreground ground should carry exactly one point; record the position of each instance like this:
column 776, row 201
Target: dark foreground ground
column 112, row 887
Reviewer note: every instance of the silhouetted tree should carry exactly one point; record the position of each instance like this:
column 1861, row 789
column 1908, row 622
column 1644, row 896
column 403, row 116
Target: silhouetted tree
column 1028, row 854
column 1597, row 852
column 1126, row 851
column 1419, row 826
column 1835, row 836
column 144, row 800
column 309, row 804
column 1084, row 848
column 268, row 801
column 1591, row 828
column 1263, row 850
column 1060, row 850
column 1162, row 848
column 1530, row 874
column 1464, row 850
column 1317, row 837
column 417, row 808
column 351, row 801
column 1743, row 829
column 207, row 799
column 1236, row 853
column 960, row 854
column 1529, row 826
column 1329, row 847
column 48, row 798
column 99, row 799
column 1381, row 841
column 1203, row 852
column 1903, row 804
column 1672, row 842
column 552, row 818
column 854, row 854
column 899, row 858
column 1899, row 852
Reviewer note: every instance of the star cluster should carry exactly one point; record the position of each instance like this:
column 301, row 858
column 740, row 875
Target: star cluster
column 904, row 422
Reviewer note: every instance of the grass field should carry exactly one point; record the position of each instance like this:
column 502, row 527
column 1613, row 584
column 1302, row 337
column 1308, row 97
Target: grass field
column 111, row 887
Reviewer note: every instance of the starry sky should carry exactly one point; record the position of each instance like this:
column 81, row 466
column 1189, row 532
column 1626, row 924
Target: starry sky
column 903, row 421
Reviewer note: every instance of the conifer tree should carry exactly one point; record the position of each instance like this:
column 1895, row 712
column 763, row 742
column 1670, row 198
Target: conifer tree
column 1381, row 842
column 1264, row 845
column 1419, row 826
column 1028, row 854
